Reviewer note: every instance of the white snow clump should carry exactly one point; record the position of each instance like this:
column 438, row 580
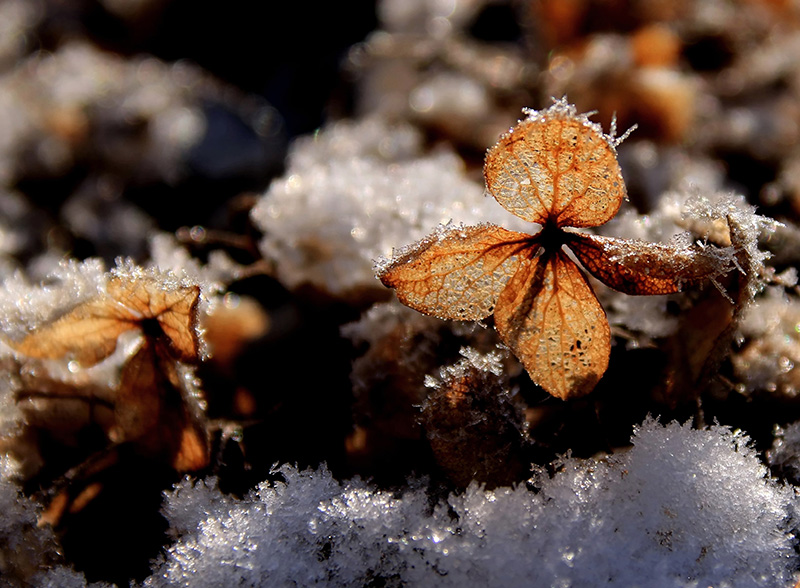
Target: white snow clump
column 683, row 507
column 352, row 193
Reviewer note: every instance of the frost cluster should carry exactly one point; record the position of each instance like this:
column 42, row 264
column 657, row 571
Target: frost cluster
column 683, row 507
column 167, row 255
column 711, row 217
column 770, row 352
column 25, row 303
column 24, row 549
column 384, row 318
column 353, row 192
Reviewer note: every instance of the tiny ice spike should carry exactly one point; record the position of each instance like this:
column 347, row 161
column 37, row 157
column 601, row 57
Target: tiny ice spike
column 558, row 169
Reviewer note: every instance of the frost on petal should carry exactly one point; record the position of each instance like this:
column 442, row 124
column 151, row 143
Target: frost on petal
column 552, row 321
column 155, row 296
column 556, row 166
column 175, row 309
column 457, row 273
column 641, row 267
column 745, row 230
column 474, row 425
column 88, row 333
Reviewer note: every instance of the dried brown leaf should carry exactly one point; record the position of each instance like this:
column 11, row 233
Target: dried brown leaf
column 175, row 309
column 88, row 334
column 152, row 410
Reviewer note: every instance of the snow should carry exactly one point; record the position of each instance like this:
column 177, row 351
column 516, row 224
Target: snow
column 682, row 507
column 24, row 548
column 355, row 191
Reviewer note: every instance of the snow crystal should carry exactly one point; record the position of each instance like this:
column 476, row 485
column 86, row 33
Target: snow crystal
column 25, row 305
column 782, row 456
column 166, row 254
column 352, row 193
column 64, row 577
column 24, row 548
column 683, row 507
column 483, row 362
column 382, row 319
column 770, row 354
column 182, row 511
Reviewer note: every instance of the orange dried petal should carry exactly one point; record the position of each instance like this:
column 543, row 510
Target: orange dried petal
column 151, row 411
column 88, row 334
column 174, row 308
column 556, row 167
column 551, row 320
column 139, row 396
column 191, row 452
column 459, row 273
column 54, row 512
column 639, row 267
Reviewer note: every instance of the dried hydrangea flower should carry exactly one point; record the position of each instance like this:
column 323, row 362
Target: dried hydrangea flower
column 558, row 169
column 88, row 333
column 155, row 406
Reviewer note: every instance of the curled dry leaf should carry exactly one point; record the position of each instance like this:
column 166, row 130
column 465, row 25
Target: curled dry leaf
column 154, row 406
column 641, row 268
column 89, row 332
column 475, row 428
column 558, row 169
